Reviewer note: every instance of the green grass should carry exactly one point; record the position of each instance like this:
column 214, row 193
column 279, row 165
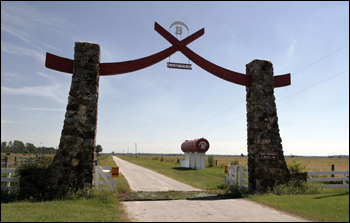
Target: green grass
column 328, row 206
column 95, row 206
column 96, row 209
column 322, row 205
column 206, row 179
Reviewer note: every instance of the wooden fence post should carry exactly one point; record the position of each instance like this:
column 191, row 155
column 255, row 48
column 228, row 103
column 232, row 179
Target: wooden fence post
column 332, row 170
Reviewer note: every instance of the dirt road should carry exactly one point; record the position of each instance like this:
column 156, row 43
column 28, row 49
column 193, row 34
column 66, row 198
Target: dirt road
column 196, row 210
column 142, row 179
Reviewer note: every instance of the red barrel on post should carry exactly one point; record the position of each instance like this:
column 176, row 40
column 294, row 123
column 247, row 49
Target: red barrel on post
column 197, row 145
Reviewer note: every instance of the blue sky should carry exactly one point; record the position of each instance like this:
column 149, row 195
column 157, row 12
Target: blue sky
column 159, row 108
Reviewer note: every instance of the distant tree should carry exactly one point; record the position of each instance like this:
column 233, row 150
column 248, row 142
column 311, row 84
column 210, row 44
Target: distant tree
column 98, row 149
column 3, row 147
column 31, row 148
column 112, row 152
column 242, row 155
column 18, row 146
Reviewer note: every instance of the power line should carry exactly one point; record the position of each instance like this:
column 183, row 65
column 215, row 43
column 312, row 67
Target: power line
column 320, row 59
column 277, row 101
column 314, row 85
column 202, row 121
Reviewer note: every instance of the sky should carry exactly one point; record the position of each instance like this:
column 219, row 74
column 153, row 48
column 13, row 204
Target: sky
column 154, row 110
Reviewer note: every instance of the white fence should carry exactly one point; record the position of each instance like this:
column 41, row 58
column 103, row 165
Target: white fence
column 9, row 179
column 236, row 176
column 344, row 178
column 105, row 172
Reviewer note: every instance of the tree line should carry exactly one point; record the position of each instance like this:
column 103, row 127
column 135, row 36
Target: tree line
column 19, row 147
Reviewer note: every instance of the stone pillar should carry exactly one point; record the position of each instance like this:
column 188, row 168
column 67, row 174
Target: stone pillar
column 73, row 166
column 266, row 163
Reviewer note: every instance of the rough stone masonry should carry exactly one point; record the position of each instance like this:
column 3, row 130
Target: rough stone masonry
column 73, row 166
column 263, row 130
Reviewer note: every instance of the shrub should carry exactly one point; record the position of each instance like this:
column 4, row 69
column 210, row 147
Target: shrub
column 295, row 167
column 296, row 187
column 177, row 160
column 161, row 159
column 34, row 184
column 235, row 162
column 211, row 160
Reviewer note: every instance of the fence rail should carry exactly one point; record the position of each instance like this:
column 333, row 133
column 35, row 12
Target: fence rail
column 8, row 179
column 344, row 178
column 236, row 176
column 106, row 173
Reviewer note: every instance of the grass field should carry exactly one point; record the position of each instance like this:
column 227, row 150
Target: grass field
column 311, row 163
column 327, row 205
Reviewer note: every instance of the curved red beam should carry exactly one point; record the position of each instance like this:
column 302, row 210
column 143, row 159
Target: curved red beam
column 59, row 63
column 134, row 65
column 66, row 65
column 228, row 75
column 218, row 71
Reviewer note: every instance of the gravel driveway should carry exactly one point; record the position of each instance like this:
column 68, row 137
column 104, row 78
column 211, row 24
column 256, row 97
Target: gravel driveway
column 196, row 210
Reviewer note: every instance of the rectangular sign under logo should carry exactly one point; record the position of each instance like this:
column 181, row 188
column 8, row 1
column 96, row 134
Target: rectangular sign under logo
column 115, row 171
column 180, row 65
column 268, row 155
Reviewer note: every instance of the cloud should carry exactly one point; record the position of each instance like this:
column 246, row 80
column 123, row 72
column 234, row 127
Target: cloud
column 18, row 34
column 291, row 49
column 39, row 91
column 41, row 109
column 11, row 76
column 22, row 51
column 7, row 121
column 46, row 76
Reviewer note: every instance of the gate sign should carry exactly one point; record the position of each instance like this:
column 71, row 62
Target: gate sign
column 268, row 155
column 179, row 65
column 178, row 31
column 115, row 171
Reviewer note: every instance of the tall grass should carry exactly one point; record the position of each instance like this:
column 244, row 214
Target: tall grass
column 211, row 160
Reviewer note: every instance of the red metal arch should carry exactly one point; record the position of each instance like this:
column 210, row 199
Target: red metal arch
column 66, row 65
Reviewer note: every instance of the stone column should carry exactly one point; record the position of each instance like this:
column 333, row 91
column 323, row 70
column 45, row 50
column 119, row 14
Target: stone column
column 266, row 163
column 73, row 165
